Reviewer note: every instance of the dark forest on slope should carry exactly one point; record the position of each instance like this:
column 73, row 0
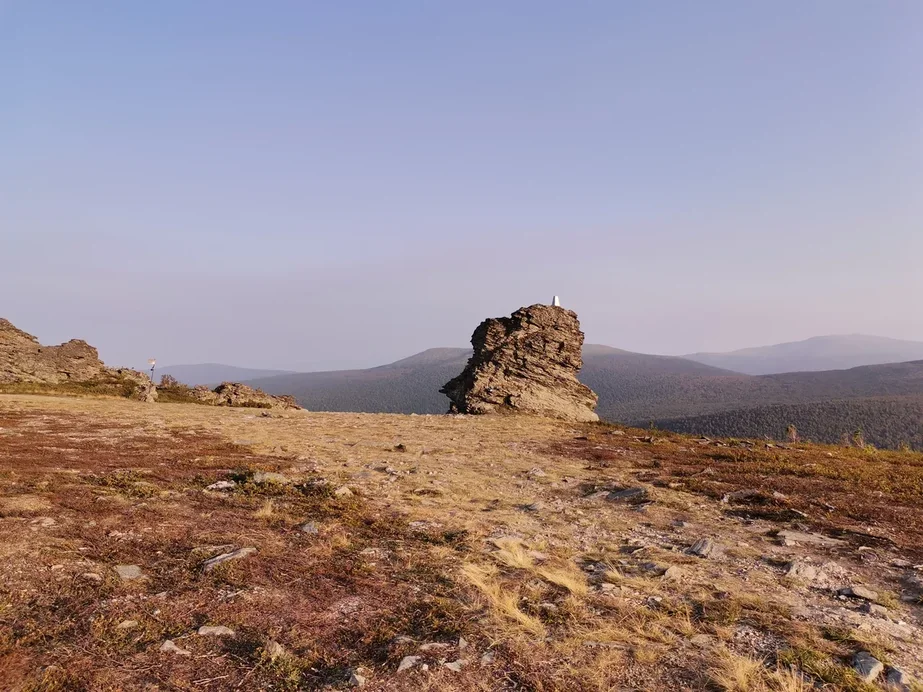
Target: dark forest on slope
column 889, row 422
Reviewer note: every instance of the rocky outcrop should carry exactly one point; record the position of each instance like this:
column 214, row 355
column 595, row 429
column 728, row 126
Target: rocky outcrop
column 525, row 363
column 136, row 385
column 24, row 359
column 240, row 395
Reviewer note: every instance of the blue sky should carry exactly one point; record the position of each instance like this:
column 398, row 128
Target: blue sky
column 323, row 185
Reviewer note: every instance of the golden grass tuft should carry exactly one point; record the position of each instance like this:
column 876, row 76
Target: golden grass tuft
column 731, row 672
column 512, row 552
column 568, row 579
column 502, row 602
column 267, row 510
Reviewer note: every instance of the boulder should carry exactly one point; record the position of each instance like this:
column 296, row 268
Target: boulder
column 525, row 363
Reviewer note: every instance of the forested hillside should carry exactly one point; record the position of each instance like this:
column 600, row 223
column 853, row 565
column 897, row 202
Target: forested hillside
column 890, row 422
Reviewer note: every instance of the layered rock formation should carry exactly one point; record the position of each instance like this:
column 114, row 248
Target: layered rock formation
column 237, row 394
column 525, row 363
column 24, row 359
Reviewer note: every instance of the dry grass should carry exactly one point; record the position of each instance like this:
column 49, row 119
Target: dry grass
column 502, row 603
column 569, row 579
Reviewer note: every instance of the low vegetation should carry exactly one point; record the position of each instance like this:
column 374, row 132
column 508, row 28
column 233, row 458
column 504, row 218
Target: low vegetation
column 438, row 553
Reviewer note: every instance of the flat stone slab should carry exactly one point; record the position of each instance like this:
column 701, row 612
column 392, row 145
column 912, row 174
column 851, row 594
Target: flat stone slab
column 859, row 592
column 215, row 631
column 213, row 562
column 787, row 536
column 170, row 647
column 129, row 572
column 630, row 495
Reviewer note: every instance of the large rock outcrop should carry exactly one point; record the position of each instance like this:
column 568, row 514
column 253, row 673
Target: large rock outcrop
column 24, row 359
column 240, row 395
column 526, row 363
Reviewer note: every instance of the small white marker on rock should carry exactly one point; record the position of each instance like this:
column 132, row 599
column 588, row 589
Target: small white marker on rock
column 556, row 302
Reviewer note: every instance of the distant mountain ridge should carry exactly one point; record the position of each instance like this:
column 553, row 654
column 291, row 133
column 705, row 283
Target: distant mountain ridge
column 639, row 388
column 677, row 393
column 834, row 352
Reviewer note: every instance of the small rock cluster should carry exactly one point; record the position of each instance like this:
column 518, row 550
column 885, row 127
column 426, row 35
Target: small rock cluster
column 240, row 395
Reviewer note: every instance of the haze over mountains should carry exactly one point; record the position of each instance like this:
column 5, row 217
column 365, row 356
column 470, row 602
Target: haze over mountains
column 215, row 373
column 817, row 353
column 884, row 400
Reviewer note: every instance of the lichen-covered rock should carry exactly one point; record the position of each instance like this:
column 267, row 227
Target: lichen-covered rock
column 24, row 359
column 525, row 363
column 240, row 395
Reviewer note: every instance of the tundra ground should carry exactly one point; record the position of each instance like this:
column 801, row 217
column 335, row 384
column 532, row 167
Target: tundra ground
column 472, row 553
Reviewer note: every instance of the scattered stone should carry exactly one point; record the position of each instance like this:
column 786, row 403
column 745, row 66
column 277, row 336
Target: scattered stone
column 875, row 609
column 701, row 640
column 867, row 666
column 902, row 564
column 705, row 547
column 743, row 495
column 536, row 473
column 672, row 573
column 215, row 631
column 343, row 491
column 269, row 478
column 462, row 643
column 43, row 522
column 126, row 624
column 487, row 658
column 802, row 570
column 275, row 650
column 357, row 679
column 170, row 647
column 629, row 495
column 213, row 562
column 92, row 576
column 129, row 572
column 455, row 666
column 526, row 363
column 859, row 592
column 221, row 485
column 434, row 646
column 310, row 528
column 897, row 680
column 407, row 663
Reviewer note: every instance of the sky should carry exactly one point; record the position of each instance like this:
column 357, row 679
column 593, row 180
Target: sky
column 316, row 185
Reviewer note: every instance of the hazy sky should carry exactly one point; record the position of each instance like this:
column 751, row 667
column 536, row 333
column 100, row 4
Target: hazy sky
column 334, row 184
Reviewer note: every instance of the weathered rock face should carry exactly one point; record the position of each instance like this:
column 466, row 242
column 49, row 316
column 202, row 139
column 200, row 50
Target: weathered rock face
column 526, row 363
column 24, row 359
column 236, row 394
